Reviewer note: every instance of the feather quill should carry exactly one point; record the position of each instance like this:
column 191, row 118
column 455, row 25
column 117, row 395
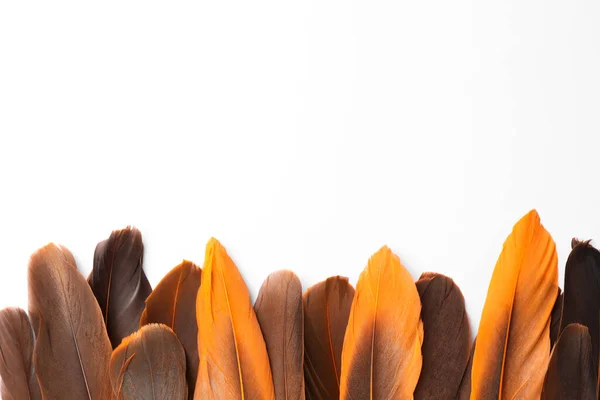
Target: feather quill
column 233, row 357
column 381, row 357
column 119, row 283
column 326, row 311
column 148, row 365
column 571, row 373
column 513, row 342
column 173, row 303
column 581, row 301
column 447, row 342
column 279, row 312
column 18, row 380
column 555, row 318
column 72, row 350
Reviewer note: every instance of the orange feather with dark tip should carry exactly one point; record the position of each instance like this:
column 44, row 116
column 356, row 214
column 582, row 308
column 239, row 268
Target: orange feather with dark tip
column 381, row 358
column 173, row 303
column 326, row 311
column 233, row 357
column 513, row 341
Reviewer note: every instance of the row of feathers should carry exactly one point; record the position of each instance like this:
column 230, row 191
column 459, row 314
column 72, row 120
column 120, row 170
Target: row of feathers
column 197, row 335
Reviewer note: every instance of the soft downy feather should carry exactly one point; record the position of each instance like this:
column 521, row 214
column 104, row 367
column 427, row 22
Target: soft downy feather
column 72, row 350
column 233, row 357
column 571, row 373
column 581, row 297
column 173, row 303
column 148, row 365
column 119, row 283
column 17, row 379
column 381, row 357
column 446, row 344
column 513, row 341
column 279, row 312
column 326, row 311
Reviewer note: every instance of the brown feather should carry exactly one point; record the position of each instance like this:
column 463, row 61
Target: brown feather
column 581, row 298
column 381, row 357
column 173, row 303
column 279, row 312
column 513, row 341
column 233, row 357
column 571, row 373
column 72, row 350
column 446, row 344
column 119, row 282
column 148, row 365
column 18, row 380
column 464, row 391
column 555, row 318
column 326, row 311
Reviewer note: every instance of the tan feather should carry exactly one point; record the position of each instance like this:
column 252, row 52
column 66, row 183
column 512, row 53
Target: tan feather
column 149, row 365
column 279, row 312
column 18, row 380
column 72, row 350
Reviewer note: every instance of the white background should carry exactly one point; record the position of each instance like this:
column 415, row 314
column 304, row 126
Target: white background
column 303, row 135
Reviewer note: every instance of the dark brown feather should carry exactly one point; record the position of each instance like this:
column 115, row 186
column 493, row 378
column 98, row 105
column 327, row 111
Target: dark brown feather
column 326, row 312
column 119, row 283
column 149, row 365
column 279, row 312
column 18, row 380
column 581, row 297
column 464, row 391
column 571, row 373
column 72, row 350
column 446, row 343
column 173, row 303
column 555, row 318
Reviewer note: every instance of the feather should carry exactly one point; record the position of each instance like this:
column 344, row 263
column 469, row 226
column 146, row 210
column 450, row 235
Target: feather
column 581, row 301
column 555, row 318
column 326, row 311
column 279, row 312
column 148, row 365
column 571, row 373
column 119, row 283
column 233, row 357
column 18, row 380
column 72, row 350
column 513, row 342
column 447, row 341
column 464, row 391
column 381, row 357
column 173, row 303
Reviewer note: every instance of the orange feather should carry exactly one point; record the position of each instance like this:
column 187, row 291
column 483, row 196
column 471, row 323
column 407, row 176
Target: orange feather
column 513, row 342
column 233, row 357
column 381, row 357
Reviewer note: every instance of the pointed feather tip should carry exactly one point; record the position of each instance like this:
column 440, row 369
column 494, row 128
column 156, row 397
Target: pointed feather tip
column 580, row 243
